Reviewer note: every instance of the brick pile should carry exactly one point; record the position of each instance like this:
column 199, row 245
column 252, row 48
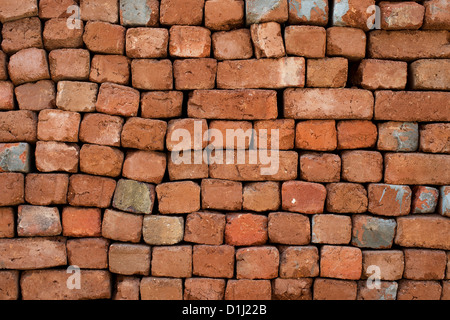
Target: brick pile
column 89, row 107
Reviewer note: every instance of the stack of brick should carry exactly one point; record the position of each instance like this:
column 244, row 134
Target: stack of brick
column 93, row 92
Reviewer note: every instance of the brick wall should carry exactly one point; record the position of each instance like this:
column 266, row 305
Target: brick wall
column 93, row 205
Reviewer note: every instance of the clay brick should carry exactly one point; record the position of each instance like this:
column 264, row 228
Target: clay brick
column 58, row 125
column 117, row 99
column 270, row 10
column 185, row 12
column 266, row 129
column 46, row 189
column 101, row 10
column 374, row 74
column 36, row 96
column 352, row 13
column 162, row 230
column 303, row 197
column 213, row 261
column 143, row 13
column 32, row 253
column 389, row 200
column 7, row 225
column 6, row 95
column 15, row 157
column 144, row 134
column 122, row 226
column 189, row 170
column 387, row 291
column 340, row 262
column 362, row 166
column 444, row 202
column 407, row 45
column 129, row 259
column 327, row 72
column 323, row 103
column 257, row 263
column 232, row 45
column 224, row 14
column 101, row 160
column 101, row 129
column 435, row 137
column 288, row 228
column 436, row 15
column 49, row 9
column 267, row 40
column 292, row 289
column 245, row 289
column 28, row 65
column 153, row 288
column 423, row 232
column 35, row 221
column 13, row 133
column 57, row 156
column 147, row 42
column 356, row 134
column 445, row 290
column 134, row 196
column 331, row 289
column 204, row 289
column 346, row 42
column 3, row 66
column 110, row 68
column 398, row 136
column 346, row 198
column 192, row 74
column 416, row 168
column 419, row 290
column 52, row 285
column 189, row 42
column 88, row 253
column 316, row 135
column 152, row 74
column 234, row 134
column 161, row 104
column 191, row 131
column 137, row 163
column 90, row 191
column 76, row 96
column 178, row 197
column 320, row 167
column 331, row 229
column 58, row 36
column 261, row 196
column 308, row 12
column 13, row 10
column 261, row 73
column 127, row 288
column 372, row 232
column 399, row 16
column 205, row 228
column 425, row 199
column 81, row 222
column 305, row 41
column 69, row 64
column 22, row 34
column 172, row 261
column 390, row 262
column 424, row 264
column 103, row 37
column 233, row 104
column 299, row 262
column 9, row 282
column 246, row 229
column 430, row 74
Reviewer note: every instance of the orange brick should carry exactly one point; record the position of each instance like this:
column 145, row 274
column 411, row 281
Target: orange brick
column 331, row 289
column 156, row 288
column 58, row 125
column 161, row 104
column 303, row 197
column 97, row 128
column 69, row 64
column 103, row 37
column 224, row 14
column 346, row 198
column 305, row 41
column 13, row 10
column 428, row 141
column 289, row 228
column 205, row 228
column 419, row 290
column 36, row 96
column 22, row 34
column 127, row 288
column 399, row 16
column 424, row 264
column 362, row 166
column 101, row 10
column 90, row 191
column 176, row 139
column 178, row 197
column 204, row 289
column 320, row 167
column 110, row 68
column 189, row 42
column 55, row 8
column 152, row 74
column 54, row 156
column 122, row 226
column 184, row 12
column 346, row 42
column 57, row 36
column 35, row 221
column 172, row 261
column 257, row 263
column 327, row 72
column 137, row 163
column 6, row 95
column 390, row 262
column 81, row 222
column 245, row 289
column 101, row 160
column 356, row 134
column 144, row 134
column 118, row 100
column 234, row 44
column 352, row 13
column 272, row 10
column 340, row 262
column 221, row 194
column 267, row 40
column 266, row 129
column 7, row 225
column 331, row 229
column 9, row 281
column 292, row 289
column 129, row 259
column 192, row 74
column 316, row 135
column 213, row 261
column 261, row 196
column 246, row 229
column 299, row 262
column 147, row 42
column 88, row 253
column 28, row 65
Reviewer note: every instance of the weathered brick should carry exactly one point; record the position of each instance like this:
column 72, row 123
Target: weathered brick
column 35, row 221
column 331, row 229
column 81, row 222
column 122, row 226
column 246, row 229
column 268, row 10
column 139, row 13
column 178, row 197
column 389, row 200
column 162, row 230
column 224, row 14
column 46, row 189
column 257, row 263
column 172, row 261
column 356, row 134
column 152, row 74
column 424, row 264
column 340, row 262
column 127, row 288
column 144, row 134
column 54, row 156
column 116, row 99
column 189, row 42
column 327, row 72
column 7, row 224
column 204, row 289
column 184, row 12
column 305, row 41
column 444, row 202
column 134, row 196
column 129, row 259
column 288, row 228
column 110, row 68
column 76, row 96
column 425, row 199
column 399, row 16
column 147, row 42
column 213, row 261
column 189, row 170
column 57, row 35
column 419, row 290
column 261, row 196
column 28, row 65
column 264, row 130
column 320, row 167
column 101, row 160
column 156, row 288
column 161, row 104
column 234, row 134
column 6, row 95
column 205, row 228
column 88, row 253
column 292, row 289
column 36, row 96
column 49, row 9
column 101, row 10
column 352, row 13
column 90, row 191
column 103, row 37
column 435, row 137
column 22, row 34
column 15, row 157
column 193, row 74
column 316, row 135
column 97, row 128
column 346, row 198
column 245, row 289
column 137, row 163
column 267, row 40
column 303, row 197
column 436, row 15
column 3, row 66
column 58, row 125
column 346, row 42
column 398, row 136
column 372, row 232
column 299, row 262
column 362, row 166
column 374, row 74
column 232, row 45
column 445, row 290
column 13, row 10
column 308, row 12
column 332, row 289
column 430, row 74
column 390, row 264
column 9, row 282
column 69, row 64
column 387, row 291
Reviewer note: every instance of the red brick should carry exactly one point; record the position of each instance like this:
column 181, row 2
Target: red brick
column 261, row 73
column 299, row 262
column 221, row 194
column 101, row 160
column 143, row 13
column 13, row 10
column 103, row 37
column 362, row 166
column 356, row 134
column 185, row 171
column 374, row 74
column 389, row 200
column 192, row 74
column 3, row 66
column 324, row 103
column 346, row 198
column 178, row 197
column 90, row 191
column 390, row 262
column 425, row 199
column 152, row 74
column 434, row 138
column 13, row 133
column 346, row 42
column 292, row 289
column 316, row 135
column 58, row 125
column 127, row 288
column 147, row 42
column 76, row 96
column 35, row 221
column 416, row 168
column 444, row 202
column 22, row 34
column 429, row 231
column 320, row 167
column 9, row 281
column 185, row 12
column 261, row 196
column 245, row 289
column 305, row 41
column 162, row 230
column 445, row 290
column 28, row 65
column 399, row 16
column 15, row 157
column 303, row 197
column 352, row 13
column 101, row 129
column 307, row 12
column 7, row 225
column 331, row 289
column 69, row 64
column 331, row 229
column 387, row 291
column 88, row 253
column 419, row 290
column 161, row 104
column 144, row 134
column 327, row 72
column 189, row 42
column 224, row 14
column 340, row 262
column 213, row 261
column 129, row 259
column 430, row 74
column 137, row 164
column 153, row 288
column 6, row 95
column 57, row 35
column 49, row 9
column 122, row 226
column 110, row 68
column 267, row 40
column 172, row 261
column 408, row 45
column 231, row 45
column 273, row 10
column 204, row 289
column 246, row 229
column 177, row 138
column 372, row 232
column 205, row 228
column 54, row 156
column 257, row 263
column 266, row 129
column 424, row 264
column 117, row 99
column 81, row 222
column 36, row 96
column 102, row 10
column 288, row 228
column 436, row 15
column 240, row 134
column 233, row 104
